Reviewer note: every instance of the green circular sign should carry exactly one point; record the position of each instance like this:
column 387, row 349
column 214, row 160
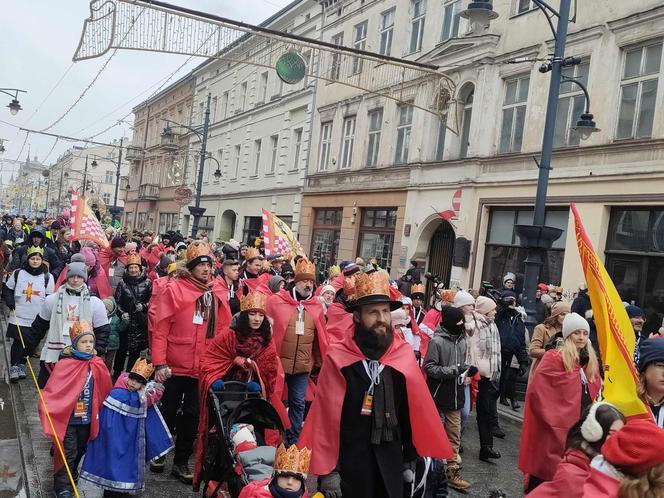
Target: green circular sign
column 291, row 67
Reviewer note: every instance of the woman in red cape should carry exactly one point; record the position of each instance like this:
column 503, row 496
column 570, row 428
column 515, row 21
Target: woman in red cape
column 241, row 352
column 558, row 392
column 322, row 428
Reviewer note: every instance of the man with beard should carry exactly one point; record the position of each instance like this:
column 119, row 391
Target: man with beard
column 373, row 414
column 300, row 337
column 189, row 314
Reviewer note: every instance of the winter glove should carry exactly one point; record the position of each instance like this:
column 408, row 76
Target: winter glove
column 253, row 387
column 472, row 370
column 409, row 471
column 330, row 485
column 218, row 385
column 162, row 373
column 125, row 317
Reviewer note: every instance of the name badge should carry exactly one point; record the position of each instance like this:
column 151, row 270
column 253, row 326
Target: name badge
column 198, row 318
column 80, row 411
column 111, row 271
column 299, row 327
column 367, row 404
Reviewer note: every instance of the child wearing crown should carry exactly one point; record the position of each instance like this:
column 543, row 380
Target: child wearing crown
column 131, row 433
column 242, row 352
column 73, row 397
column 291, row 467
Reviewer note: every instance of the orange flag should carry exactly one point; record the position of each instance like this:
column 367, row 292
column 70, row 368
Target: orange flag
column 614, row 330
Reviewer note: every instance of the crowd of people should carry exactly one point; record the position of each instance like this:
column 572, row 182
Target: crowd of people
column 372, row 382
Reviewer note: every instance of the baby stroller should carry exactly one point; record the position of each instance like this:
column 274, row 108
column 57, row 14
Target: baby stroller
column 234, row 405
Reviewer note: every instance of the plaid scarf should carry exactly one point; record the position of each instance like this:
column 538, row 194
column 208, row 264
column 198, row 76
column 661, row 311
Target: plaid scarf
column 205, row 305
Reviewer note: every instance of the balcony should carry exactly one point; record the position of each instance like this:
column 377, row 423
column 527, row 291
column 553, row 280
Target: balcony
column 133, row 153
column 148, row 192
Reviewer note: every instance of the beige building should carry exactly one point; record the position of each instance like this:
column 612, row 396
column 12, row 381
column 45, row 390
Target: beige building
column 497, row 111
column 158, row 167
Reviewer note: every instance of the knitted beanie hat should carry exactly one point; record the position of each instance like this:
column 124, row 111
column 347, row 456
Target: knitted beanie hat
column 463, row 298
column 650, row 351
column 574, row 322
column 484, row 305
column 77, row 269
column 636, row 448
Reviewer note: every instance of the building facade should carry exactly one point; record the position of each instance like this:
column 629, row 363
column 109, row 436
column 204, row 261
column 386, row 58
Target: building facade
column 25, row 192
column 258, row 135
column 476, row 160
column 159, row 166
column 97, row 180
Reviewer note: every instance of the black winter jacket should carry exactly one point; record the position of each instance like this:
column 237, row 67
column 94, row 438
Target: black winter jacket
column 444, row 362
column 50, row 256
column 512, row 334
column 130, row 292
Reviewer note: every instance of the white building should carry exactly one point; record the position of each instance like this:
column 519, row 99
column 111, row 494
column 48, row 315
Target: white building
column 383, row 201
column 69, row 173
column 259, row 133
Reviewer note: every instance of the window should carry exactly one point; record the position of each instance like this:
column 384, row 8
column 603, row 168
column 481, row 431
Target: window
column 521, row 6
column 404, row 124
column 348, row 142
column 206, row 223
column 467, row 97
column 635, row 259
column 224, row 105
column 243, row 97
column 451, row 19
column 360, row 43
column 168, row 221
column 257, row 156
column 335, row 60
column 262, row 88
column 325, row 239
column 129, row 219
column 106, row 197
column 297, row 144
column 571, row 105
column 504, row 253
column 142, row 221
column 325, row 144
column 278, row 88
column 253, row 227
column 386, row 32
column 514, row 114
column 639, row 90
column 377, row 235
column 417, row 25
column 442, row 133
column 274, row 144
column 375, row 128
column 236, row 161
column 109, row 176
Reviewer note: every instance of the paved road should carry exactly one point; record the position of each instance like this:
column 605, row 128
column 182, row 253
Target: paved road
column 484, row 477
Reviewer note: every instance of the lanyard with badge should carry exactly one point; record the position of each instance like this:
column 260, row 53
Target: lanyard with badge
column 80, row 411
column 198, row 313
column 299, row 324
column 373, row 370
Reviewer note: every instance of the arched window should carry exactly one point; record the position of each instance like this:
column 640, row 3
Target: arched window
column 466, row 99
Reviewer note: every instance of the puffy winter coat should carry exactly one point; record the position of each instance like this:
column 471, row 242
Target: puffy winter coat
column 50, row 256
column 299, row 353
column 130, row 292
column 541, row 337
column 512, row 334
column 444, row 362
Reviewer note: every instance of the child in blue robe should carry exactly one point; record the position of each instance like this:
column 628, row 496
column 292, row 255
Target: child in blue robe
column 132, row 432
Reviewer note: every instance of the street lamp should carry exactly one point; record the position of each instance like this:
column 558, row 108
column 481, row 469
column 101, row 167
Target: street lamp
column 538, row 238
column 14, row 105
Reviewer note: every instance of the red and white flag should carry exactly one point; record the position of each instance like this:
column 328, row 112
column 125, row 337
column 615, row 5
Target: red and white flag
column 83, row 223
column 278, row 237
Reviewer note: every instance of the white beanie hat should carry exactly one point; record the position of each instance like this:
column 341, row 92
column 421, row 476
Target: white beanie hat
column 509, row 276
column 463, row 298
column 574, row 322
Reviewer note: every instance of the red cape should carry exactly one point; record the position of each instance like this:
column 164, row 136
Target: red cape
column 62, row 392
column 158, row 285
column 571, row 474
column 432, row 319
column 553, row 405
column 259, row 284
column 106, row 256
column 155, row 255
column 322, row 427
column 103, row 284
column 600, row 485
column 339, row 322
column 215, row 364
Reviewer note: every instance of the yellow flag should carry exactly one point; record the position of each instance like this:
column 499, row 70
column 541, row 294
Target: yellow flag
column 614, row 330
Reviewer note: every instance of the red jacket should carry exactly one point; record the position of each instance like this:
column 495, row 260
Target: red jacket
column 155, row 255
column 176, row 340
column 571, row 474
column 258, row 489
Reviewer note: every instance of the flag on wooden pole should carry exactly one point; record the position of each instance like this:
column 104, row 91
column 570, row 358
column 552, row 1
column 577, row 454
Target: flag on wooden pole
column 83, row 223
column 279, row 238
column 614, row 330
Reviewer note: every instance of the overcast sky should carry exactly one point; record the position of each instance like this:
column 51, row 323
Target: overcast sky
column 37, row 41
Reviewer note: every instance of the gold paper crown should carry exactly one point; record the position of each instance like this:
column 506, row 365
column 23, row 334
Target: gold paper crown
column 267, row 265
column 372, row 284
column 78, row 328
column 447, row 295
column 293, row 460
column 253, row 253
column 349, row 287
column 196, row 249
column 305, row 267
column 253, row 301
column 133, row 258
column 143, row 368
column 333, row 271
column 417, row 289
